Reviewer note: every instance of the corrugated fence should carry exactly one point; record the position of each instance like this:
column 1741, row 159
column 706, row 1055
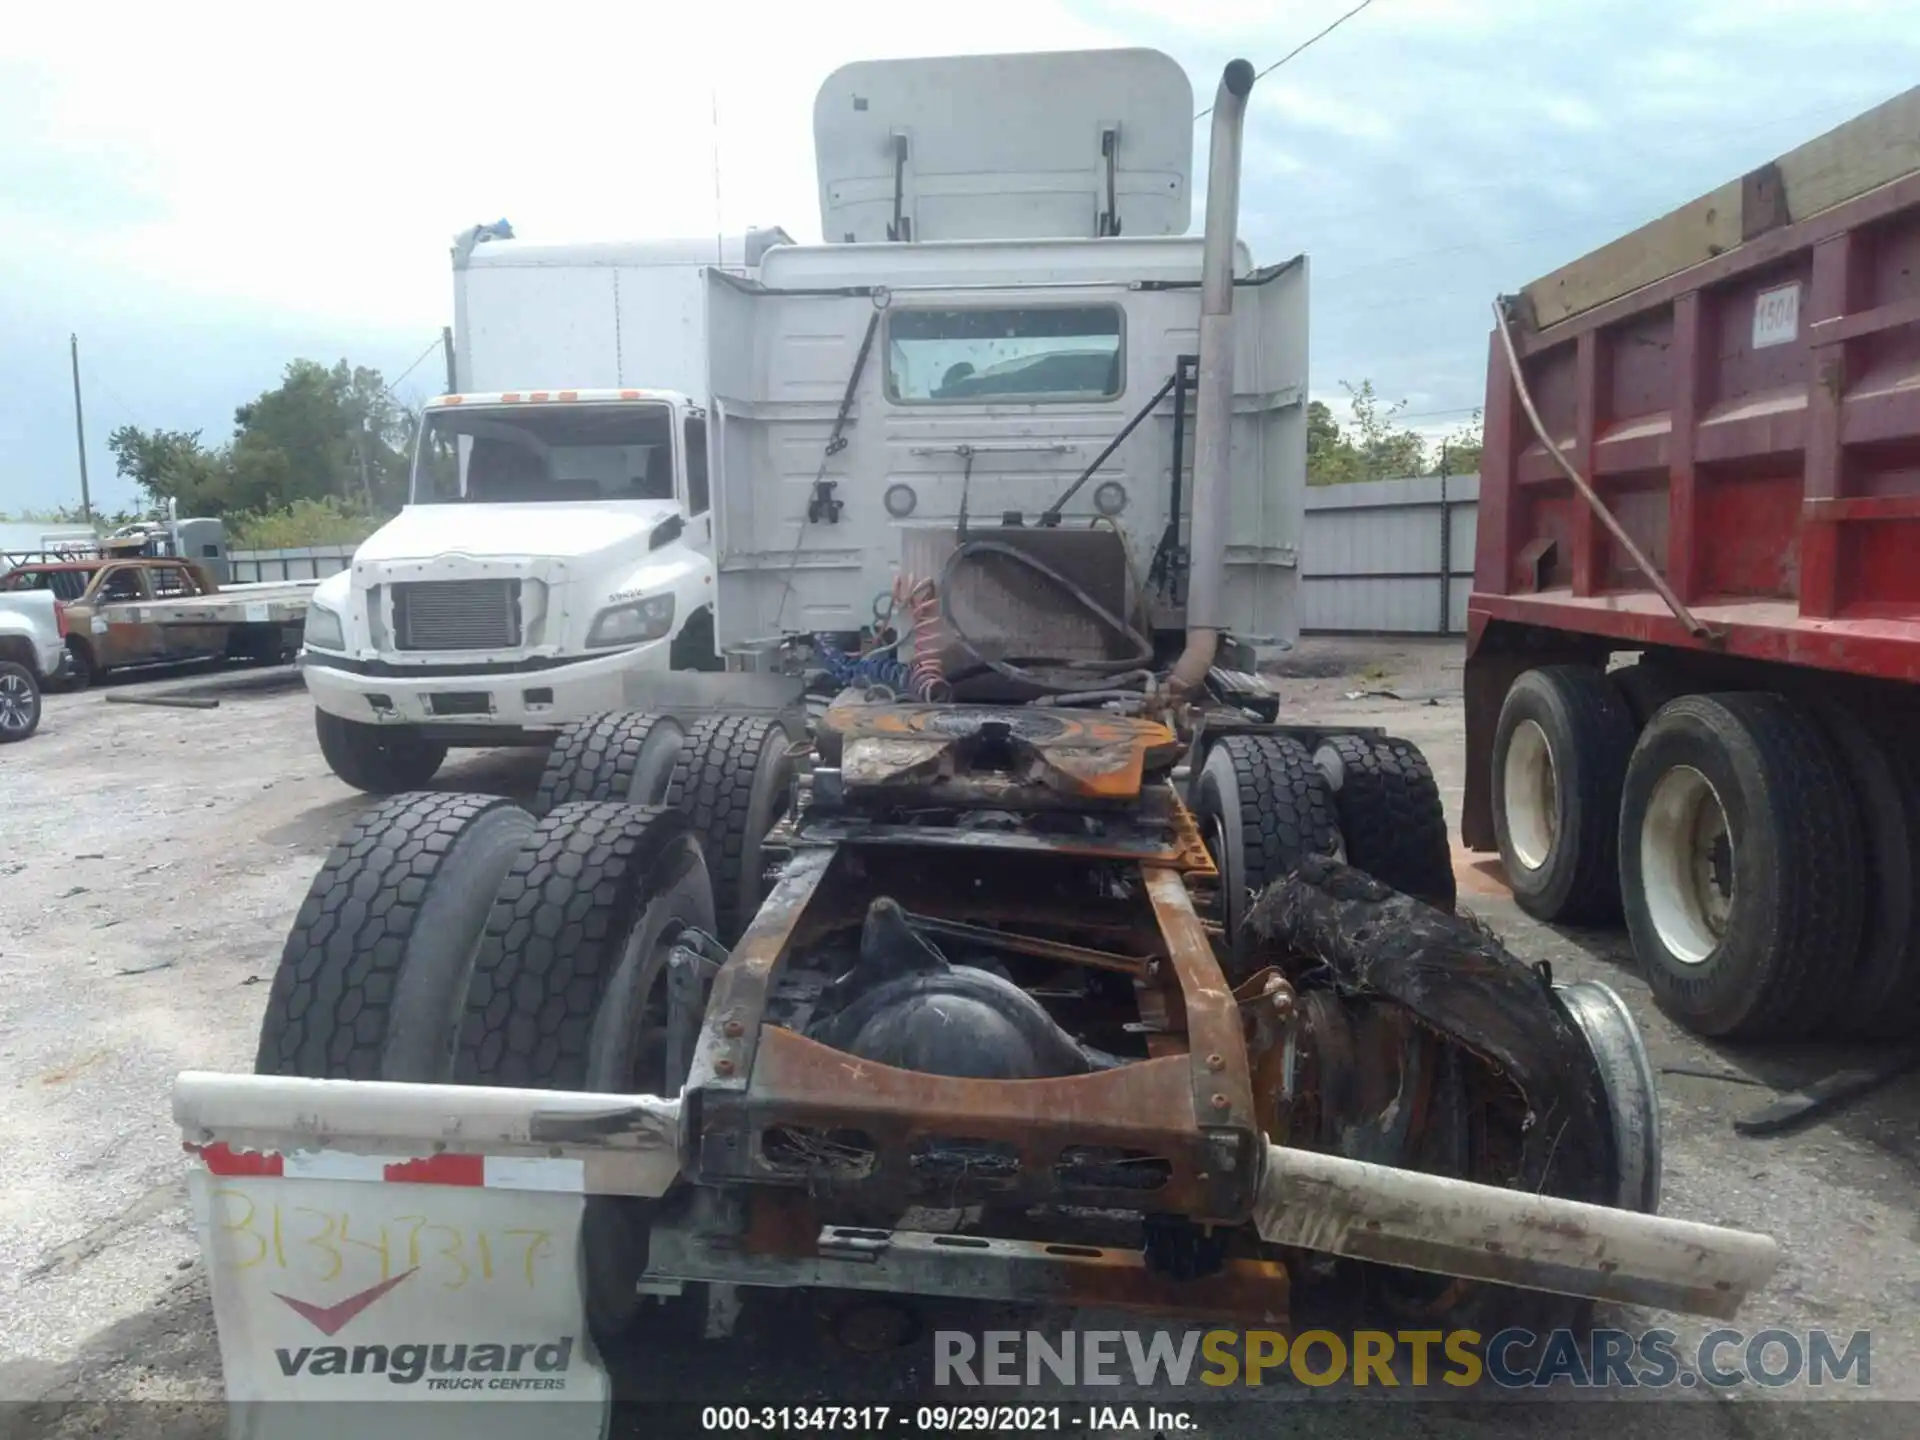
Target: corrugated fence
column 1381, row 557
column 1390, row 557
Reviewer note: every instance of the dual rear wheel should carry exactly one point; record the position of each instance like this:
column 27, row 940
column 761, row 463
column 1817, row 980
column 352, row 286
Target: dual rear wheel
column 1761, row 849
column 460, row 939
column 1265, row 801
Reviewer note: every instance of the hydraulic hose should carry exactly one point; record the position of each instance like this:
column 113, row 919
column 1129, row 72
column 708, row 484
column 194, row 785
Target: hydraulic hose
column 1100, row 673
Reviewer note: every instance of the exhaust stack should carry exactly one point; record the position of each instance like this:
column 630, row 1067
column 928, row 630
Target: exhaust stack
column 1213, row 420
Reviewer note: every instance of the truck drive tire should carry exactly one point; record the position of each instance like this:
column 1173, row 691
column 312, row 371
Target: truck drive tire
column 373, row 979
column 569, row 991
column 1262, row 805
column 379, row 759
column 622, row 756
column 1646, row 685
column 731, row 780
column 19, row 702
column 1885, row 783
column 1559, row 758
column 1391, row 815
column 1741, row 866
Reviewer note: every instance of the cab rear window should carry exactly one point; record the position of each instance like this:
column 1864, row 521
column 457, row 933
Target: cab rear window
column 1048, row 353
column 65, row 584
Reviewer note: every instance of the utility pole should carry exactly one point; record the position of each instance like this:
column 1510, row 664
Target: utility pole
column 80, row 430
column 446, row 346
column 1446, row 542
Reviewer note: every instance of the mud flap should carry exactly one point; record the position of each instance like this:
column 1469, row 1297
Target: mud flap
column 425, row 1310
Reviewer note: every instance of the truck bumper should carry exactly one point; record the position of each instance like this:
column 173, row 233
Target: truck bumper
column 531, row 699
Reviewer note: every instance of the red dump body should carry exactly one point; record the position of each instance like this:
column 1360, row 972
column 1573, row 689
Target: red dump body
column 1754, row 424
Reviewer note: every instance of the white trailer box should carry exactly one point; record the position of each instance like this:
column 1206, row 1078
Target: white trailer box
column 598, row 316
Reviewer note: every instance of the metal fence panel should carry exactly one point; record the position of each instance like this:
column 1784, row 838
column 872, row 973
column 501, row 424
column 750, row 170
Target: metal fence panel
column 1389, row 556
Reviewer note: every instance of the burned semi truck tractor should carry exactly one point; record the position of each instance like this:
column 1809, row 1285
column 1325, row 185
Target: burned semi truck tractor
column 1045, row 965
column 1703, row 460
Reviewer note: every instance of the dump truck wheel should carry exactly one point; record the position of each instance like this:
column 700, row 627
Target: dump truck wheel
column 1262, row 804
column 1559, row 757
column 1740, row 864
column 622, row 756
column 379, row 759
column 732, row 779
column 569, row 991
column 1646, row 685
column 1883, row 778
column 19, row 702
column 372, row 981
column 1391, row 815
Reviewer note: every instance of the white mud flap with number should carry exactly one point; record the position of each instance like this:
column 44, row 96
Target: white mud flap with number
column 406, row 1260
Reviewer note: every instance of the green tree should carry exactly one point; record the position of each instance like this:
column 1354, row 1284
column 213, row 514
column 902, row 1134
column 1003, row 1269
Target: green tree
column 172, row 465
column 1371, row 447
column 1387, row 451
column 71, row 515
column 323, row 436
column 1459, row 453
column 1331, row 458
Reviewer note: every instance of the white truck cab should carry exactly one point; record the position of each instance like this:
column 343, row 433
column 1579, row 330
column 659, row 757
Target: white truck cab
column 554, row 560
column 554, row 553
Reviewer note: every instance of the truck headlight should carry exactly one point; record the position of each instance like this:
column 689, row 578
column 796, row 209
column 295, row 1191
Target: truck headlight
column 324, row 628
column 634, row 623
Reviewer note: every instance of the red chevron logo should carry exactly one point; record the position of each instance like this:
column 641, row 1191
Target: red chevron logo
column 330, row 1319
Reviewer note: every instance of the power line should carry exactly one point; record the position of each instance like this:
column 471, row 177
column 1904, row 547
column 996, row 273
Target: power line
column 394, row 384
column 1306, row 44
column 96, row 383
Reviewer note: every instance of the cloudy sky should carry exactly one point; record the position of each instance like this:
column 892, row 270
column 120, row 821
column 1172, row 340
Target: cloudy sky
column 204, row 191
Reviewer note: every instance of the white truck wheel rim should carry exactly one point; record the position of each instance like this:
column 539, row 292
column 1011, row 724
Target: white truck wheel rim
column 16, row 703
column 1686, row 864
column 1531, row 785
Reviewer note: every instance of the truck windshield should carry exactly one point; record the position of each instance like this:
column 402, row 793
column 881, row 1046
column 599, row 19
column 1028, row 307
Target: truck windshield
column 531, row 453
column 1043, row 353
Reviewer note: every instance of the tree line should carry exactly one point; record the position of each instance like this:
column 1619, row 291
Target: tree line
column 323, row 458
column 1373, row 446
column 329, row 444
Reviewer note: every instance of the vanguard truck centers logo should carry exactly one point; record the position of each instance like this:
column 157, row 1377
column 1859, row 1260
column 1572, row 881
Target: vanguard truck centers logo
column 465, row 1366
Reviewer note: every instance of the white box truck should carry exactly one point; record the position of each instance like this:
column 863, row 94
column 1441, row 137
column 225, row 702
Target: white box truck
column 554, row 559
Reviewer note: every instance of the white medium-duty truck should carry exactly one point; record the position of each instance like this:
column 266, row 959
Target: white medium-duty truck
column 553, row 561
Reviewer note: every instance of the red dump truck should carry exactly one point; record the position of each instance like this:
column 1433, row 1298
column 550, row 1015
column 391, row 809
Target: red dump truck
column 1703, row 457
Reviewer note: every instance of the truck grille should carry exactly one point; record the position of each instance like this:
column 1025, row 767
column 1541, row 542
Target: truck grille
column 457, row 615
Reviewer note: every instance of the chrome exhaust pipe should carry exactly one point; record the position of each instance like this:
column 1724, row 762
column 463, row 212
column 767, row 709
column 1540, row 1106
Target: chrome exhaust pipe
column 1508, row 1237
column 1213, row 417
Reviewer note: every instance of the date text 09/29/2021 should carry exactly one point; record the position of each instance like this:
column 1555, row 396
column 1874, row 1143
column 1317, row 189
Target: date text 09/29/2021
column 941, row 1419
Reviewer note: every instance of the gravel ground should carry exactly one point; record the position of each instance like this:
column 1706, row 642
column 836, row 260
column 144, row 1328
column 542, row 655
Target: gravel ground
column 151, row 860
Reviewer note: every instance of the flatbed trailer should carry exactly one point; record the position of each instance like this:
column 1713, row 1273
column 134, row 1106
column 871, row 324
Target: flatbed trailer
column 1703, row 454
column 272, row 602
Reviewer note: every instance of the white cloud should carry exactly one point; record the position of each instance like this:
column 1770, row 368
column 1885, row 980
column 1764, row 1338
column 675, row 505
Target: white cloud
column 1317, row 107
column 205, row 190
column 319, row 162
